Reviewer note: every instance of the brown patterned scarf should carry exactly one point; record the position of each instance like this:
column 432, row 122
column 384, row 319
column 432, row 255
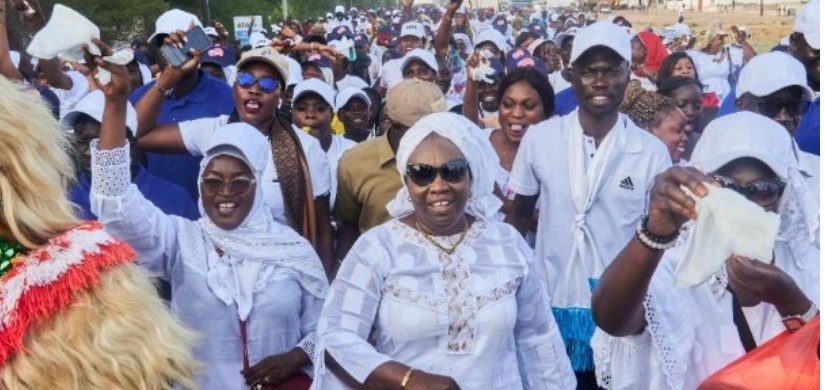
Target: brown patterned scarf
column 293, row 175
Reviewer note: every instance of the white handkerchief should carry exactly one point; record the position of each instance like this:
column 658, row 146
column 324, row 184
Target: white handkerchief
column 121, row 57
column 65, row 34
column 727, row 223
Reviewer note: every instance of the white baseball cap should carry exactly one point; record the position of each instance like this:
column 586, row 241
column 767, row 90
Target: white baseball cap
column 92, row 105
column 605, row 34
column 492, row 35
column 412, row 28
column 348, row 94
column 339, row 9
column 317, row 87
column 770, row 72
column 807, row 23
column 174, row 20
column 210, row 31
column 421, row 55
column 258, row 40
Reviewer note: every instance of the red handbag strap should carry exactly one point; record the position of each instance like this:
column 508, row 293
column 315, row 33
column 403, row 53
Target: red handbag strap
column 244, row 346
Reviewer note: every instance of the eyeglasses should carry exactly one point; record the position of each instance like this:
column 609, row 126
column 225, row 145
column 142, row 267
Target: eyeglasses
column 423, row 175
column 763, row 192
column 772, row 108
column 238, row 185
column 267, row 84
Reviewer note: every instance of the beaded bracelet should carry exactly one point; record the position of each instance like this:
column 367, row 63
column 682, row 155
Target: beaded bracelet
column 652, row 241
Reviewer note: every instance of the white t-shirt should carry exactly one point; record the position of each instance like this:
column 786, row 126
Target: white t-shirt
column 336, row 149
column 391, row 73
column 542, row 167
column 712, row 74
column 197, row 136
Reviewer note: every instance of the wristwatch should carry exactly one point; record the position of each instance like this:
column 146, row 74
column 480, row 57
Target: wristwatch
column 795, row 322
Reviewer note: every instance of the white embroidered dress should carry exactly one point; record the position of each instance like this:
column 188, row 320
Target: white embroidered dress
column 477, row 315
column 207, row 293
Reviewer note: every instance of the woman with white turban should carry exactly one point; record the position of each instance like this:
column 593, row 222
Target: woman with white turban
column 449, row 291
column 655, row 334
column 252, row 288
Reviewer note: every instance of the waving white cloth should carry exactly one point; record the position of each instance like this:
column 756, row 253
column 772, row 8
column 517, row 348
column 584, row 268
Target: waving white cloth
column 478, row 151
column 587, row 180
column 746, row 134
column 65, row 34
column 718, row 233
column 237, row 275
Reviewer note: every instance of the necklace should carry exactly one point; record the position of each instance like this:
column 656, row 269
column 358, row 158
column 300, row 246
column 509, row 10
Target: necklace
column 9, row 252
column 448, row 251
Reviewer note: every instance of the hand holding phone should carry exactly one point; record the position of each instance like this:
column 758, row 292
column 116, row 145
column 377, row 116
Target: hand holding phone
column 195, row 39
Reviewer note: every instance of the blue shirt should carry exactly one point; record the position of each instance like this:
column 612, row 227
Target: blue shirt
column 728, row 105
column 168, row 197
column 210, row 98
column 565, row 102
column 807, row 133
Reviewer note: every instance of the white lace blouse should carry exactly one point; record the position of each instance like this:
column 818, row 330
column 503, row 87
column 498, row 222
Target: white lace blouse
column 283, row 316
column 477, row 316
column 690, row 332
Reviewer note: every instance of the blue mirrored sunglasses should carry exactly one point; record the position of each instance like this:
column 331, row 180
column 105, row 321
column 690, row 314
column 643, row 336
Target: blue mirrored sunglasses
column 267, row 84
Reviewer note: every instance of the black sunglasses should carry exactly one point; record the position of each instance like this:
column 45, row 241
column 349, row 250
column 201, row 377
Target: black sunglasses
column 772, row 108
column 762, row 192
column 238, row 185
column 453, row 172
column 267, row 84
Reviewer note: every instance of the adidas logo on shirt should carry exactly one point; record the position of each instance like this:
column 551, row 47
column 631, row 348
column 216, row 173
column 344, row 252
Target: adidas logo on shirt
column 627, row 184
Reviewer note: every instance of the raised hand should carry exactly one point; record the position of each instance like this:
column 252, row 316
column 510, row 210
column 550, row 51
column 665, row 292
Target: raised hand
column 119, row 87
column 453, row 7
column 31, row 11
column 171, row 76
column 669, row 206
column 407, row 3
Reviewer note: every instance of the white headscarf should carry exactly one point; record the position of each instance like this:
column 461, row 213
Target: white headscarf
column 236, row 276
column 468, row 45
column 746, row 134
column 478, row 151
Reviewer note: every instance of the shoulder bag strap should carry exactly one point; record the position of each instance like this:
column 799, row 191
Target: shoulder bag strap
column 742, row 327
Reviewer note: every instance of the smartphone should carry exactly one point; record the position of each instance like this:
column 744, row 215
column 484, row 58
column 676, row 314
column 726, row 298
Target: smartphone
column 196, row 39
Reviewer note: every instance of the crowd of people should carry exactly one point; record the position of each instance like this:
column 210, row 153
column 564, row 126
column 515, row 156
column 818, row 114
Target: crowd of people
column 414, row 198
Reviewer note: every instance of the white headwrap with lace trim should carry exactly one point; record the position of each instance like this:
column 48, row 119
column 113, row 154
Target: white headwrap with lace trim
column 259, row 241
column 746, row 134
column 475, row 147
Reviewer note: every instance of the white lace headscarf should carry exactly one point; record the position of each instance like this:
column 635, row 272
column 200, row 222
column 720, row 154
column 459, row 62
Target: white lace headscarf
column 259, row 241
column 475, row 147
column 746, row 134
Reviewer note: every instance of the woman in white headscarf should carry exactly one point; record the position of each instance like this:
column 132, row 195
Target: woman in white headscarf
column 449, row 291
column 654, row 334
column 235, row 273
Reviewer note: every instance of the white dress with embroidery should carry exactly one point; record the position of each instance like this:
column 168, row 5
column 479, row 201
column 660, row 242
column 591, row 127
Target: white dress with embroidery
column 690, row 333
column 283, row 315
column 477, row 315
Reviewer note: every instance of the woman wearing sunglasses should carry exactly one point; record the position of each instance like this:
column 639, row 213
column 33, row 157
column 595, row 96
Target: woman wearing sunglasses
column 652, row 334
column 443, row 296
column 296, row 179
column 251, row 288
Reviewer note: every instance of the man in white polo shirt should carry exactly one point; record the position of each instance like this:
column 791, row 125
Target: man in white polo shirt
column 411, row 37
column 593, row 168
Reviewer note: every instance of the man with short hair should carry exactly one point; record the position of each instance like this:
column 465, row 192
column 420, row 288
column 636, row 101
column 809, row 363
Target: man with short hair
column 593, row 168
column 367, row 176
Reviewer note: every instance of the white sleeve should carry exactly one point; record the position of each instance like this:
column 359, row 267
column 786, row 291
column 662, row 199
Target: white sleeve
column 349, row 313
column 310, row 312
column 543, row 360
column 197, row 134
column 319, row 171
column 523, row 179
column 659, row 357
column 127, row 215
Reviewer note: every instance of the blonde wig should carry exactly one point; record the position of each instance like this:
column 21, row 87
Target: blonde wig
column 116, row 336
column 35, row 169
